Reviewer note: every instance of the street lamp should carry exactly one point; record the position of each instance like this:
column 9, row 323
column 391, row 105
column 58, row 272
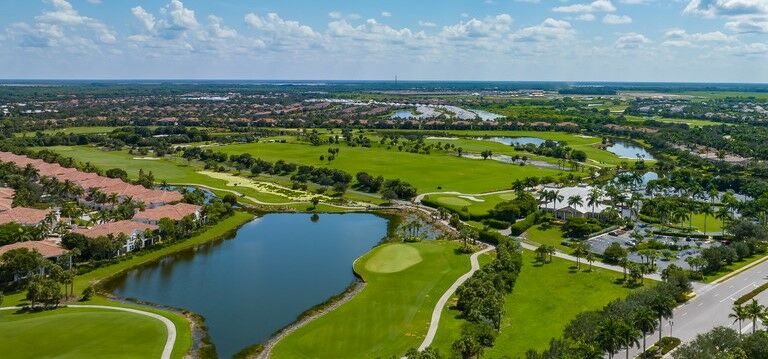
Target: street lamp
column 671, row 323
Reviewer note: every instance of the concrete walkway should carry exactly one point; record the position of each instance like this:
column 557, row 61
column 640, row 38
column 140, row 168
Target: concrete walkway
column 438, row 310
column 169, row 326
column 531, row 247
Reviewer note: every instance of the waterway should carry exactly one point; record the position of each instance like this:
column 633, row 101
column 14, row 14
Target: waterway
column 259, row 281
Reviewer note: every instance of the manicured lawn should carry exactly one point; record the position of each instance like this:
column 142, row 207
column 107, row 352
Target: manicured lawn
column 697, row 220
column 545, row 299
column 75, row 130
column 390, row 315
column 475, row 205
column 690, row 121
column 80, row 333
column 551, row 236
column 438, row 171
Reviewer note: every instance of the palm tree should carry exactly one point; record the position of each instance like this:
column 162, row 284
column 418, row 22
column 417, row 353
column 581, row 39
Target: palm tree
column 579, row 251
column 575, row 201
column 645, row 320
column 556, row 197
column 551, row 251
column 629, row 336
column 610, row 337
column 624, row 263
column 754, row 311
column 738, row 314
column 724, row 215
column 590, row 258
column 663, row 306
column 707, row 210
column 593, row 199
column 541, row 253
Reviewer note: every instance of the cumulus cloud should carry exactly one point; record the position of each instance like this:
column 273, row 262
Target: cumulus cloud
column 631, row 40
column 62, row 25
column 594, row 6
column 612, row 19
column 549, row 30
column 681, row 38
column 743, row 15
column 492, row 26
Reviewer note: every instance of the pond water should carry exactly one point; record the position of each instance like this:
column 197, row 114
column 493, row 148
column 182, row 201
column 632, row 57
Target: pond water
column 486, row 116
column 252, row 285
column 402, row 114
column 629, row 150
column 510, row 141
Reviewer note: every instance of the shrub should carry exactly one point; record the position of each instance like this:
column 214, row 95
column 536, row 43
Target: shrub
column 522, row 225
column 495, row 223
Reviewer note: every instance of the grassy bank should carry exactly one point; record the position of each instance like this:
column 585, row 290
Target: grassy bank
column 391, row 314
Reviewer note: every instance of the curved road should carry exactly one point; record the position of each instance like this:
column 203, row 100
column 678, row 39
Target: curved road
column 447, row 295
column 169, row 326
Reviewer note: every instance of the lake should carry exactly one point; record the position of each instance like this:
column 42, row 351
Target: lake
column 487, row 116
column 512, row 141
column 256, row 283
column 629, row 150
column 402, row 114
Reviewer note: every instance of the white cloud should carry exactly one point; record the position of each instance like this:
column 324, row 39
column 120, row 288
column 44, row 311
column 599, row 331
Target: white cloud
column 681, row 38
column 218, row 30
column 549, row 30
column 595, row 6
column 612, row 19
column 712, row 8
column 492, row 26
column 146, row 19
column 631, row 40
column 62, row 25
column 426, row 23
column 586, row 17
column 386, row 14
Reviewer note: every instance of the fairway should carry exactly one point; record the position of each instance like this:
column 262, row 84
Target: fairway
column 80, row 333
column 545, row 299
column 552, row 236
column 429, row 173
column 389, row 316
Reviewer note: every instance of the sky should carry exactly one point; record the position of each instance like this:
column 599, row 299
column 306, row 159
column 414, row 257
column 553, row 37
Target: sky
column 499, row 40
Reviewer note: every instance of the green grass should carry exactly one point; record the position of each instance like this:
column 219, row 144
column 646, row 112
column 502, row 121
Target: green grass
column 74, row 130
column 389, row 316
column 80, row 333
column 551, row 236
column 473, row 208
column 174, row 170
column 697, row 221
column 689, row 121
column 545, row 299
column 429, row 173
column 184, row 335
column 393, row 258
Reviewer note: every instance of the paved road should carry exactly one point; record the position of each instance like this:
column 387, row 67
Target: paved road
column 169, row 326
column 475, row 265
column 711, row 306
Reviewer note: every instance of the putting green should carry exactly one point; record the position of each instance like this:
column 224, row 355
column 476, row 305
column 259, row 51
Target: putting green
column 393, row 258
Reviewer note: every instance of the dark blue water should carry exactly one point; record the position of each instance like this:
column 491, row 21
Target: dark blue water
column 252, row 285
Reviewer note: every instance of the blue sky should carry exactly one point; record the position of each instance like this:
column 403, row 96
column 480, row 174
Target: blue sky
column 569, row 40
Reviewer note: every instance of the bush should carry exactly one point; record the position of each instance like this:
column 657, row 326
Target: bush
column 495, row 223
column 581, row 227
column 522, row 225
column 88, row 292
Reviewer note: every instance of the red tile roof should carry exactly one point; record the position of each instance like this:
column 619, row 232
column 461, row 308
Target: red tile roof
column 23, row 215
column 174, row 212
column 45, row 248
column 114, row 228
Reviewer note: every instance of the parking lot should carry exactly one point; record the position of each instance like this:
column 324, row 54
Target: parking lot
column 600, row 243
